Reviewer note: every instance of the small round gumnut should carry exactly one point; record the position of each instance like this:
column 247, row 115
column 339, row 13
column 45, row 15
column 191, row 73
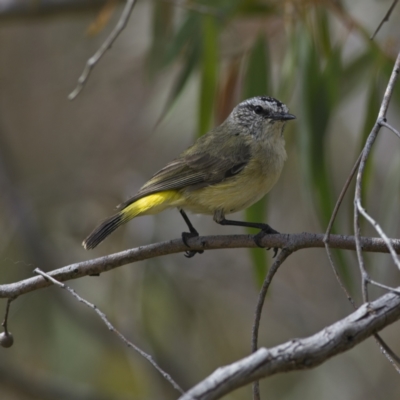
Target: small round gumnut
column 6, row 339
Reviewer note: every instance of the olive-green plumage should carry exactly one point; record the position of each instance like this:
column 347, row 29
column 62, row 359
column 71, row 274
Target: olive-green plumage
column 226, row 170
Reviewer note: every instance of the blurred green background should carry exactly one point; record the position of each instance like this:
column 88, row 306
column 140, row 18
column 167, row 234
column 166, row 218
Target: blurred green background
column 178, row 69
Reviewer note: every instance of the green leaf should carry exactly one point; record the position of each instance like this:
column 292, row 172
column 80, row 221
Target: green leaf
column 209, row 70
column 319, row 94
column 257, row 83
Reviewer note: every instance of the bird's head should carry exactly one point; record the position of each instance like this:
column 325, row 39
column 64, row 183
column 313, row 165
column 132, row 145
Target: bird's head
column 260, row 115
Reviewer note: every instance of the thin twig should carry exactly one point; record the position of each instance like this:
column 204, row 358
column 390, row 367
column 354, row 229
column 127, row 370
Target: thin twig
column 385, row 18
column 340, row 199
column 121, row 24
column 337, row 276
column 283, row 255
column 382, row 286
column 5, row 321
column 365, row 153
column 382, row 234
column 386, row 125
column 388, row 352
column 365, row 279
column 329, row 230
column 111, row 328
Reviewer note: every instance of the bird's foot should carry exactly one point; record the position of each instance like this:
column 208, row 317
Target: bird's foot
column 185, row 237
column 265, row 230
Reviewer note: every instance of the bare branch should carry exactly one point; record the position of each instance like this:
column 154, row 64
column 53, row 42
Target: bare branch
column 385, row 18
column 283, row 255
column 111, row 328
column 104, row 47
column 300, row 354
column 95, row 266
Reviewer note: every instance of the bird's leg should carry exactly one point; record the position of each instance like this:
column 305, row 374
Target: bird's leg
column 187, row 235
column 265, row 229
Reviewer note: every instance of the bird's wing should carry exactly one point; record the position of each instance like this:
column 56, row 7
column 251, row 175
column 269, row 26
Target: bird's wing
column 196, row 168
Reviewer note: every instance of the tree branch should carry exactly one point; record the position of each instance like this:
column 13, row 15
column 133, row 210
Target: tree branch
column 299, row 354
column 293, row 242
column 123, row 20
column 385, row 18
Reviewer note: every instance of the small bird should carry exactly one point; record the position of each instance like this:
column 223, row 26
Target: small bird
column 227, row 170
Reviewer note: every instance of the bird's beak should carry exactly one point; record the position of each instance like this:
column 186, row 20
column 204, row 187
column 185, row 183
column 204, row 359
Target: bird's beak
column 283, row 116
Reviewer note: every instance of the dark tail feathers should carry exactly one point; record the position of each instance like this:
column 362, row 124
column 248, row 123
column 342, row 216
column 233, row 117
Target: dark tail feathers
column 103, row 230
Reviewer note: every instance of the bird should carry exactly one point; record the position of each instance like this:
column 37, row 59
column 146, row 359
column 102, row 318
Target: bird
column 226, row 170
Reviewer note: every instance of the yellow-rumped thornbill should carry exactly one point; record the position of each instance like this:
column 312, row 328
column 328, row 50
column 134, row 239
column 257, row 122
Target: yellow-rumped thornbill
column 226, row 170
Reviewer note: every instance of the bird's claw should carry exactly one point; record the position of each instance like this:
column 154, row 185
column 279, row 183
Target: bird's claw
column 185, row 237
column 260, row 235
column 192, row 253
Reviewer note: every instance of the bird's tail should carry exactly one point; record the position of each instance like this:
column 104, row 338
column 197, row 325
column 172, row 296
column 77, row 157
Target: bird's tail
column 103, row 230
column 150, row 204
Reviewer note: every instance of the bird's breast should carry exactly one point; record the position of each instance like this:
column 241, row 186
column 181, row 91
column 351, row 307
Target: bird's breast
column 244, row 189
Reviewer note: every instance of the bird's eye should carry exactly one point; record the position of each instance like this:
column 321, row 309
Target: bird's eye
column 258, row 109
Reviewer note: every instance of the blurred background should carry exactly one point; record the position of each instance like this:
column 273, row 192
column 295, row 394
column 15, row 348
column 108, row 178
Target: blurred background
column 178, row 69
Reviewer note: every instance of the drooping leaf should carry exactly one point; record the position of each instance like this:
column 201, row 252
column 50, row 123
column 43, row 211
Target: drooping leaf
column 319, row 94
column 257, row 83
